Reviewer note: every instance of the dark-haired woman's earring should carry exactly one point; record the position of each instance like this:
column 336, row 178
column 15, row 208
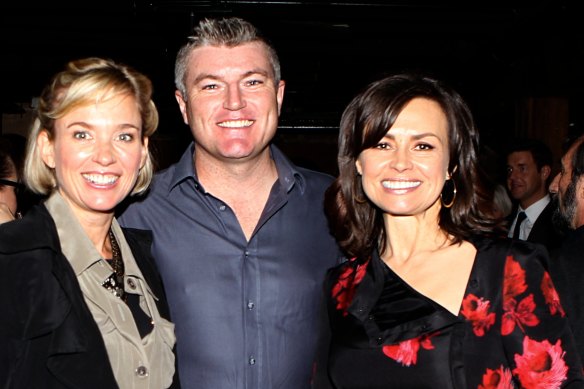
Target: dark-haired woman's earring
column 360, row 200
column 448, row 194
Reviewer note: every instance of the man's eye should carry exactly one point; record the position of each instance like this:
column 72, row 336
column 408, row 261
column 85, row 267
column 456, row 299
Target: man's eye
column 254, row 82
column 210, row 87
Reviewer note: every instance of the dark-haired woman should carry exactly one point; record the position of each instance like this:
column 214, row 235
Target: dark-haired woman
column 429, row 298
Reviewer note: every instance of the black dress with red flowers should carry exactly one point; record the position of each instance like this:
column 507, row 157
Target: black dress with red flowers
column 511, row 331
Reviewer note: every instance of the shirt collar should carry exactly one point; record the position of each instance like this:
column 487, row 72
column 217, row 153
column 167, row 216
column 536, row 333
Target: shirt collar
column 184, row 168
column 370, row 287
column 288, row 174
column 532, row 212
column 76, row 245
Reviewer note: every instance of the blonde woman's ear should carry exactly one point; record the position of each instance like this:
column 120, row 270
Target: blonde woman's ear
column 46, row 148
column 144, row 151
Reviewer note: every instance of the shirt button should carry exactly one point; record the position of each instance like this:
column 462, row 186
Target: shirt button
column 142, row 371
column 252, row 361
column 131, row 283
column 222, row 207
column 250, row 305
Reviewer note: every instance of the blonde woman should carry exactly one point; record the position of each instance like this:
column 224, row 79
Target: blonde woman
column 81, row 299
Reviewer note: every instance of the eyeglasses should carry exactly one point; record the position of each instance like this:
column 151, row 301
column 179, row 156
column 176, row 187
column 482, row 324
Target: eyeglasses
column 17, row 185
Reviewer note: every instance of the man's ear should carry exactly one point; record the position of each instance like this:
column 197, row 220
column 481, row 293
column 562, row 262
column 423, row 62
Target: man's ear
column 182, row 105
column 46, row 148
column 545, row 172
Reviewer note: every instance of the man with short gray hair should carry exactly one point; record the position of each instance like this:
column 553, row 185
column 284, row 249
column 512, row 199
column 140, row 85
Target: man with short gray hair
column 240, row 234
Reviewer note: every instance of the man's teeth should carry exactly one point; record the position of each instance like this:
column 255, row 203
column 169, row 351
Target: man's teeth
column 236, row 123
column 100, row 179
column 400, row 184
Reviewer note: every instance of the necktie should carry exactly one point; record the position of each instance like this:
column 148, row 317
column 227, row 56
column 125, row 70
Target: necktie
column 520, row 218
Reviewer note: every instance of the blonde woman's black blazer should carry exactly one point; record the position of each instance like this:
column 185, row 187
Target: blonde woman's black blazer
column 48, row 338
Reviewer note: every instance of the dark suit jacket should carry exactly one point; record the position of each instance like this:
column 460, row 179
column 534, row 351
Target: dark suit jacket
column 48, row 338
column 543, row 230
column 567, row 271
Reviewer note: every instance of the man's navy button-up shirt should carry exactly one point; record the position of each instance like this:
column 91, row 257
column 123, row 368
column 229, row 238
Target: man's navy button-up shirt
column 247, row 313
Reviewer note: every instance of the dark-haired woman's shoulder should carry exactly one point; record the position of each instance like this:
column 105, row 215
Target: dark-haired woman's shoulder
column 498, row 253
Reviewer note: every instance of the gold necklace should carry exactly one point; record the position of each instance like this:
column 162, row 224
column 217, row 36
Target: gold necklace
column 115, row 282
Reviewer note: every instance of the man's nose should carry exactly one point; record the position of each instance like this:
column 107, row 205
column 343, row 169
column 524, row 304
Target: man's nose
column 234, row 99
column 555, row 184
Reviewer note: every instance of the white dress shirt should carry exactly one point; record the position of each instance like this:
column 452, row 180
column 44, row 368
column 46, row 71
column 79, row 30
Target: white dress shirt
column 532, row 212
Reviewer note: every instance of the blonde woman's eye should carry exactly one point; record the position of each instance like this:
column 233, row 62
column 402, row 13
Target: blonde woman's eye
column 80, row 135
column 126, row 137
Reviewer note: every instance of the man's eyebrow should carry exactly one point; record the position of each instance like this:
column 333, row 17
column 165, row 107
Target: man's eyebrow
column 209, row 76
column 205, row 76
column 261, row 72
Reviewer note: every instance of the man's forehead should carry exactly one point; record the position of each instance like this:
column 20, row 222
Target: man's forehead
column 246, row 50
column 521, row 158
column 567, row 158
column 246, row 58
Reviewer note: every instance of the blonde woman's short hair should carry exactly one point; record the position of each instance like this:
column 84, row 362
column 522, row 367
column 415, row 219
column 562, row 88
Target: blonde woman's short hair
column 81, row 83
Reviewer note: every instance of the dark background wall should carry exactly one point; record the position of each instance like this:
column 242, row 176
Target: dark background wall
column 518, row 64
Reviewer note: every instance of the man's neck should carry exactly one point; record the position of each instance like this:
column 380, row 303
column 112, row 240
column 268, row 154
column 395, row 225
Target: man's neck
column 245, row 187
column 532, row 200
column 213, row 173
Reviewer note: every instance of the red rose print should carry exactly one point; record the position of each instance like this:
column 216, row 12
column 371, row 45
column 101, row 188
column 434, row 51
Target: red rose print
column 476, row 310
column 541, row 365
column 497, row 379
column 406, row 352
column 514, row 282
column 344, row 289
column 552, row 298
column 518, row 314
column 513, row 285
